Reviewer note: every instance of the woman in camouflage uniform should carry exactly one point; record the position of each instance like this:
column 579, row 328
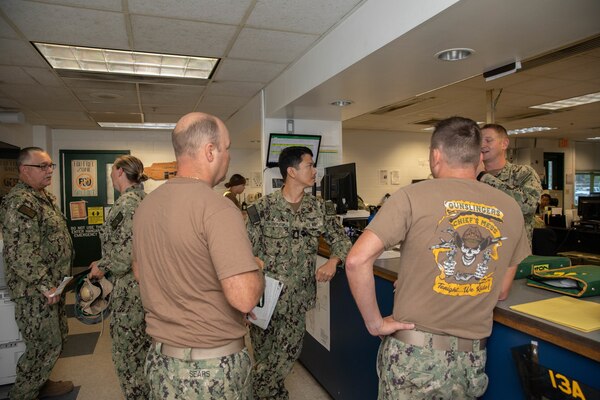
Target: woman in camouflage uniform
column 130, row 343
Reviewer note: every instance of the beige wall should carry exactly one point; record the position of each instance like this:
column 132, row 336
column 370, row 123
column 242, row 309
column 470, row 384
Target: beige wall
column 407, row 153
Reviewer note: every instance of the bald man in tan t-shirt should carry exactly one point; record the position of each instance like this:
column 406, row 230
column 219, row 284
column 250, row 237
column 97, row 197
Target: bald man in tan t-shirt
column 195, row 286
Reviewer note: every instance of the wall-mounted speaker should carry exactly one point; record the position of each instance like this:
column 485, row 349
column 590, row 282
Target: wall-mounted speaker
column 502, row 71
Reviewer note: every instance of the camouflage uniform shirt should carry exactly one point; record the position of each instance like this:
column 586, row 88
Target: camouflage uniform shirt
column 288, row 242
column 522, row 183
column 116, row 233
column 37, row 246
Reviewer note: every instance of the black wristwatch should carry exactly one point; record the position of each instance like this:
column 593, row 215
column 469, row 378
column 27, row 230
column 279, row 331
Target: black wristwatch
column 481, row 174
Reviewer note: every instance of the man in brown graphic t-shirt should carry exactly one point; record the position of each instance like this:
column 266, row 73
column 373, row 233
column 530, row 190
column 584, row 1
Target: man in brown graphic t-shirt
column 461, row 241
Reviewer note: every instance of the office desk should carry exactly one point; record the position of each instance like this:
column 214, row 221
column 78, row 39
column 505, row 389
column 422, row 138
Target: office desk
column 577, row 239
column 348, row 371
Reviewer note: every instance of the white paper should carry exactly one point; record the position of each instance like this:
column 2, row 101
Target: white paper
column 264, row 311
column 62, row 286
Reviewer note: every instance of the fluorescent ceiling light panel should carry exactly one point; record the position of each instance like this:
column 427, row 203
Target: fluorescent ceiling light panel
column 594, row 138
column 145, row 125
column 572, row 102
column 91, row 59
column 529, row 130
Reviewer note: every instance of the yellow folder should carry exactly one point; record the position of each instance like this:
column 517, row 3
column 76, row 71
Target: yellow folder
column 574, row 313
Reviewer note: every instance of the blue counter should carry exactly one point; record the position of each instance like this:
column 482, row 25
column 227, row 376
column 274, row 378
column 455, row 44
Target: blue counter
column 348, row 371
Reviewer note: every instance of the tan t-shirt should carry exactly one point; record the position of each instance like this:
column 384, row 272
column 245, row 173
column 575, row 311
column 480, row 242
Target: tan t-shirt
column 458, row 237
column 186, row 238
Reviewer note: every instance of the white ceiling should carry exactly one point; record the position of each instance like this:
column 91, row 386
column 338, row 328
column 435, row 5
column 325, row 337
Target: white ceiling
column 255, row 39
column 258, row 40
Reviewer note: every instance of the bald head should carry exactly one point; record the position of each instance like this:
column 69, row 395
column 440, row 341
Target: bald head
column 194, row 130
column 201, row 143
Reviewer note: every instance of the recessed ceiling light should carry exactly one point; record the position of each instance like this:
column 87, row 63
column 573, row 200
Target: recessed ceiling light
column 454, row 54
column 529, row 130
column 90, row 59
column 341, row 103
column 572, row 102
column 145, row 125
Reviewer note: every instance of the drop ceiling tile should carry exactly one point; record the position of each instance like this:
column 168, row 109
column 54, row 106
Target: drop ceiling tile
column 183, row 99
column 225, row 100
column 240, row 89
column 53, row 115
column 20, row 52
column 175, row 109
column 219, row 11
column 153, row 34
column 109, row 107
column 109, row 5
column 98, row 84
column 85, row 27
column 221, row 111
column 253, row 71
column 274, row 46
column 6, row 31
column 170, row 118
column 15, row 75
column 8, row 103
column 43, row 76
column 166, row 90
column 573, row 90
column 108, row 96
column 306, row 16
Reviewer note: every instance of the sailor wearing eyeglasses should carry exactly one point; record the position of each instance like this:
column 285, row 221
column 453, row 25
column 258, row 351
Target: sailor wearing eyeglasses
column 38, row 252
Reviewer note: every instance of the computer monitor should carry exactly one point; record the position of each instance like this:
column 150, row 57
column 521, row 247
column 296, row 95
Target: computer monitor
column 588, row 207
column 279, row 141
column 339, row 185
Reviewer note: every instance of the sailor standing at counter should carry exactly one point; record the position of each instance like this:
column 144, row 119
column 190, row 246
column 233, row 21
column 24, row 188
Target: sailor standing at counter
column 284, row 228
column 461, row 242
column 521, row 182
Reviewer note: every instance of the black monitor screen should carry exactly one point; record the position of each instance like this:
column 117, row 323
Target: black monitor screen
column 279, row 141
column 339, row 186
column 588, row 207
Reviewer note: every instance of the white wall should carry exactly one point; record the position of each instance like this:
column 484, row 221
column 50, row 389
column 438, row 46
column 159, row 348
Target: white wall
column 372, row 151
column 149, row 146
column 20, row 135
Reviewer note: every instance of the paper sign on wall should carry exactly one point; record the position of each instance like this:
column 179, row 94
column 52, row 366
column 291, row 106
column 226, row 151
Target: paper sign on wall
column 95, row 215
column 85, row 178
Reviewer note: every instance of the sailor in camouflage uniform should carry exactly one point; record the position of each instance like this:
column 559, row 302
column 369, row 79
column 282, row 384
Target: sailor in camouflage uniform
column 38, row 252
column 130, row 343
column 284, row 228
column 521, row 182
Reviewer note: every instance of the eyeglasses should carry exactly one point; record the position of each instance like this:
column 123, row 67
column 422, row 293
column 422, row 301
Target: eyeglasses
column 43, row 167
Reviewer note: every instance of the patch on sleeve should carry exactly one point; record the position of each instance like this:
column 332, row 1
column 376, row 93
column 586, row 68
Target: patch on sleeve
column 26, row 211
column 329, row 207
column 253, row 215
column 116, row 221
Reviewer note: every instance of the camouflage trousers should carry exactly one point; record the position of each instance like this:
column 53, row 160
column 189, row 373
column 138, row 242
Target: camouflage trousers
column 412, row 372
column 276, row 349
column 130, row 343
column 44, row 329
column 224, row 378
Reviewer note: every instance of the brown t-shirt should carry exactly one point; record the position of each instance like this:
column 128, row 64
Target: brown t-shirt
column 186, row 238
column 458, row 237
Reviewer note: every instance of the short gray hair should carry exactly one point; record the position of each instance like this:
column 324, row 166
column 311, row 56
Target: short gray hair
column 26, row 153
column 459, row 139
